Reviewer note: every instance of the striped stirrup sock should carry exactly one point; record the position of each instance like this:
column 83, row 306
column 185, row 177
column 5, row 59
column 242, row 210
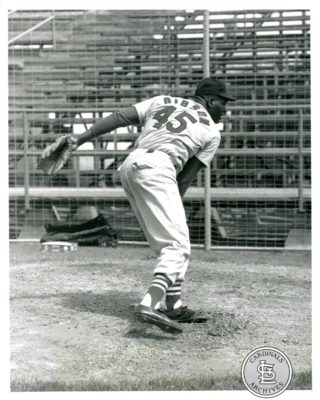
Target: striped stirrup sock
column 161, row 281
column 156, row 291
column 173, row 295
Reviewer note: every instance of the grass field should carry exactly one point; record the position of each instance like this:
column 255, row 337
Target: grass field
column 72, row 326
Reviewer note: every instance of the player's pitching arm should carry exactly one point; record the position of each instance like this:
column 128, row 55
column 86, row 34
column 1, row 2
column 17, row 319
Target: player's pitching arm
column 195, row 163
column 187, row 175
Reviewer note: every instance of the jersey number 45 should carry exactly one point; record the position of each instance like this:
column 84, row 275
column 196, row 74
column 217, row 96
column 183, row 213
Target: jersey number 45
column 163, row 115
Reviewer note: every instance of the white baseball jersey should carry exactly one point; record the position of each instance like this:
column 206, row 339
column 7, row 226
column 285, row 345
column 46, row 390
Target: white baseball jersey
column 179, row 127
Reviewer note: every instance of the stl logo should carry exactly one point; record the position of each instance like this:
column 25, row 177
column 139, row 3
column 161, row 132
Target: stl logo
column 266, row 372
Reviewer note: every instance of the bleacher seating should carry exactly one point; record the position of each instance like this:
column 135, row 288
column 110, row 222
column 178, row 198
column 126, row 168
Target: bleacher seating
column 99, row 61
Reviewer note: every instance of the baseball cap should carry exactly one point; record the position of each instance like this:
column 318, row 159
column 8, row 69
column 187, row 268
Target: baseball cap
column 209, row 86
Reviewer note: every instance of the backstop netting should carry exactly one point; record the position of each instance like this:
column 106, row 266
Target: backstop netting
column 68, row 68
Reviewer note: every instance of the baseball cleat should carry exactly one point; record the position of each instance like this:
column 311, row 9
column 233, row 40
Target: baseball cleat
column 185, row 315
column 155, row 317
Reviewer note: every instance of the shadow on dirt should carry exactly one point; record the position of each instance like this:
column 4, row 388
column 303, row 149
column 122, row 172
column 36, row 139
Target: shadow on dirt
column 116, row 304
column 147, row 332
column 113, row 302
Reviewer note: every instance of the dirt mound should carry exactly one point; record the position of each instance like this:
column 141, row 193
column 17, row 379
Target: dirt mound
column 72, row 322
column 224, row 323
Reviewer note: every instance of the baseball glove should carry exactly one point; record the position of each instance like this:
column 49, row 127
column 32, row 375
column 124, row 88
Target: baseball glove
column 55, row 156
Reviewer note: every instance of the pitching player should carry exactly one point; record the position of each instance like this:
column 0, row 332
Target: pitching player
column 179, row 137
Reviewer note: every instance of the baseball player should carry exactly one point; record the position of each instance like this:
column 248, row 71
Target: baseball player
column 179, row 137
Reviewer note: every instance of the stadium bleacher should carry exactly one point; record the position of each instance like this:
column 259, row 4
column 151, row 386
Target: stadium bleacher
column 82, row 64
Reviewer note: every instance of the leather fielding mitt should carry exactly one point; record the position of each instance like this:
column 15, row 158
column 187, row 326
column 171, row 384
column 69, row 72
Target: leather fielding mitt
column 55, row 156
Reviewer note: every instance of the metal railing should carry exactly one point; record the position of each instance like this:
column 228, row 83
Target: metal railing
column 33, row 28
column 299, row 151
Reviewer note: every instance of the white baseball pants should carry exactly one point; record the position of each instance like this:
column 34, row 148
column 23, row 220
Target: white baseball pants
column 149, row 181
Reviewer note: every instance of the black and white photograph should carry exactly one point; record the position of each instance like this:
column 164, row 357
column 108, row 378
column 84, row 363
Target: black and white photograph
column 159, row 199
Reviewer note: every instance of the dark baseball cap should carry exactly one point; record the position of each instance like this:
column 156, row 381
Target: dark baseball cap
column 209, row 86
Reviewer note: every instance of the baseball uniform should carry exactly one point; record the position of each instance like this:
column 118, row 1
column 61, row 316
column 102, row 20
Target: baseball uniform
column 174, row 130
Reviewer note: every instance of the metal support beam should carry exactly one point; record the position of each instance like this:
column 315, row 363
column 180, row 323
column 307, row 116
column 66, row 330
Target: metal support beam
column 26, row 162
column 207, row 179
column 301, row 161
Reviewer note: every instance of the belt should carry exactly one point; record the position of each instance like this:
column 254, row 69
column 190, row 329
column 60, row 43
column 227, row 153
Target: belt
column 153, row 150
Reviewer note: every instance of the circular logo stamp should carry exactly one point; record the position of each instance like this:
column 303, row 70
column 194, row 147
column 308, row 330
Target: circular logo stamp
column 266, row 372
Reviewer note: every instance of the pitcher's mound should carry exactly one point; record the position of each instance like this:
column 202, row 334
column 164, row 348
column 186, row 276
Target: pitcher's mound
column 224, row 323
